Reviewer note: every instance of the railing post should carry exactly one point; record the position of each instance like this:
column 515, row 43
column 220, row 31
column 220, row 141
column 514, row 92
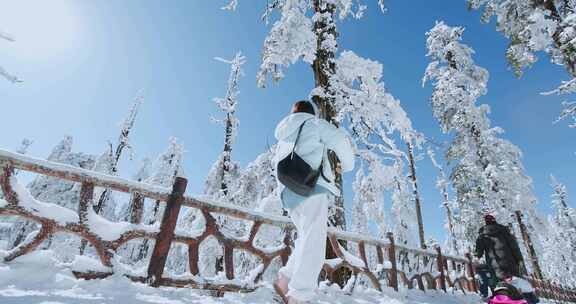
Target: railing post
column 471, row 274
column 166, row 235
column 393, row 282
column 193, row 258
column 440, row 265
column 229, row 261
column 7, row 173
column 86, row 195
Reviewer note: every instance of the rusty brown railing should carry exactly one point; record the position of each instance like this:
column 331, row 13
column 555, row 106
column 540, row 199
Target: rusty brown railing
column 380, row 262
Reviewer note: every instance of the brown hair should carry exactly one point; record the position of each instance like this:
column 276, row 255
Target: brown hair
column 303, row 106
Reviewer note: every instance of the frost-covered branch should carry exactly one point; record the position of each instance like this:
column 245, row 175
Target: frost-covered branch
column 8, row 76
column 569, row 112
column 231, row 6
column 534, row 26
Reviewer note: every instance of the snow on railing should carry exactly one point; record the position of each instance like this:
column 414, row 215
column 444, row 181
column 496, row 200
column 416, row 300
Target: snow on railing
column 379, row 262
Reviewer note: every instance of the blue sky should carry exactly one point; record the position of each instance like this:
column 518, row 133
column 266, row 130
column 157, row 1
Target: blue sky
column 83, row 63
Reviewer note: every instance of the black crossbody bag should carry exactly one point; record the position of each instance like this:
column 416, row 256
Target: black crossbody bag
column 296, row 174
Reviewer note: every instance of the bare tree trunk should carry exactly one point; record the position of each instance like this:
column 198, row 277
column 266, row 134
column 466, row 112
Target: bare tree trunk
column 323, row 67
column 529, row 247
column 122, row 144
column 414, row 182
column 225, row 171
column 227, row 155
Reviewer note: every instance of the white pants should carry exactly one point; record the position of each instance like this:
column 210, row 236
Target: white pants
column 305, row 263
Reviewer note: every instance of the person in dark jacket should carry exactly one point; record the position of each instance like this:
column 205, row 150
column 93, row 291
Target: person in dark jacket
column 499, row 247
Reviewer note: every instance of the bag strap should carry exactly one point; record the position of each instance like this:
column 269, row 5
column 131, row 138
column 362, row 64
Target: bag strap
column 298, row 136
column 321, row 168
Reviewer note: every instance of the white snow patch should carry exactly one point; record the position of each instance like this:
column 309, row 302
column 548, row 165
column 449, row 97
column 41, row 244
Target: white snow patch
column 156, row 299
column 110, row 231
column 51, row 211
column 36, row 278
column 84, row 263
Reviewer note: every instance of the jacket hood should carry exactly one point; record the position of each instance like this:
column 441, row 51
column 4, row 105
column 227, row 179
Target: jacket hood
column 290, row 124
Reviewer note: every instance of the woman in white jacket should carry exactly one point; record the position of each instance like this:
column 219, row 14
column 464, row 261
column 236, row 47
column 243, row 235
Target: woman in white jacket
column 297, row 280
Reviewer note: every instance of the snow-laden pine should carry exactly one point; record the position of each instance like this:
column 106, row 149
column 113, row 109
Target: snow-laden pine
column 486, row 171
column 109, row 163
column 167, row 166
column 560, row 254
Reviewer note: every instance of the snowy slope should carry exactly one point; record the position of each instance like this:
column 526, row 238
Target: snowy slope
column 37, row 278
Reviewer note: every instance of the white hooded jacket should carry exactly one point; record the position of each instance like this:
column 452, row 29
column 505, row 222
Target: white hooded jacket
column 316, row 138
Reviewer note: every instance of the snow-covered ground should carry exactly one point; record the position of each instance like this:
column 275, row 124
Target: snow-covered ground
column 37, row 278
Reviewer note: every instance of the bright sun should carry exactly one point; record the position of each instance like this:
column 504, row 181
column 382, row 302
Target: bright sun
column 42, row 28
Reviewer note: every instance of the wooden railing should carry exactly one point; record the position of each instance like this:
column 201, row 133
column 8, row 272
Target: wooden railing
column 379, row 262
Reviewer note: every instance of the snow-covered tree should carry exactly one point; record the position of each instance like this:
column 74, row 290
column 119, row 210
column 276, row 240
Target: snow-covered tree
column 5, row 74
column 110, row 161
column 57, row 191
column 224, row 170
column 372, row 181
column 534, row 26
column 487, row 172
column 372, row 114
column 560, row 248
column 167, row 166
column 569, row 112
column 565, row 216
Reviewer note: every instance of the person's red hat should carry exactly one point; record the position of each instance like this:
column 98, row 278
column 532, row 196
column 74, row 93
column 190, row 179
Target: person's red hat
column 489, row 218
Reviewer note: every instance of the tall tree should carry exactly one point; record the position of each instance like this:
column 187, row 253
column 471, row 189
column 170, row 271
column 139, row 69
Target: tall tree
column 221, row 179
column 487, row 172
column 560, row 248
column 5, row 74
column 167, row 166
column 565, row 216
column 416, row 194
column 116, row 154
column 219, row 184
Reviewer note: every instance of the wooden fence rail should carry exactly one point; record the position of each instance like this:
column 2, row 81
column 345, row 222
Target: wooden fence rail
column 380, row 262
